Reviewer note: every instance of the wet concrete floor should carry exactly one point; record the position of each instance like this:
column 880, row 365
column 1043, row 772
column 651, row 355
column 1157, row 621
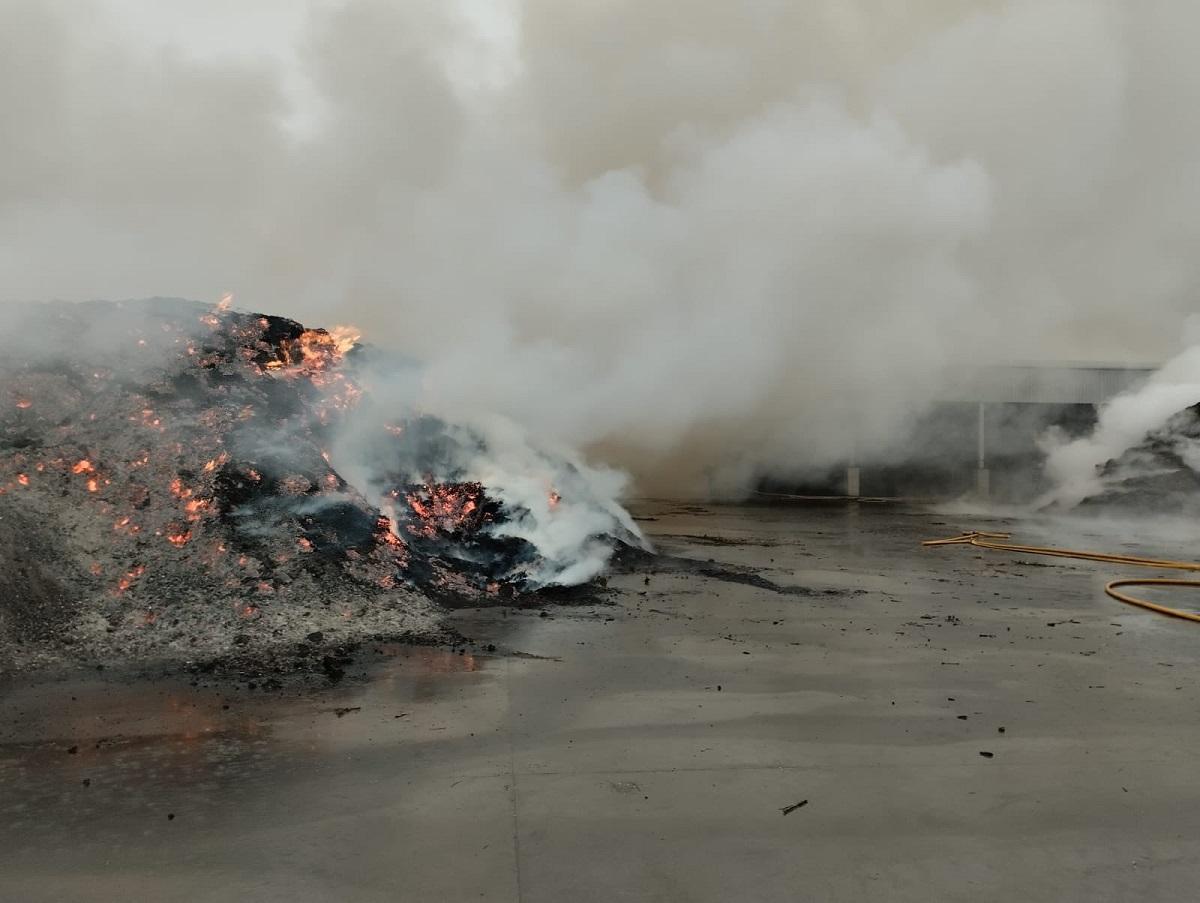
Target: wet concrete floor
column 647, row 749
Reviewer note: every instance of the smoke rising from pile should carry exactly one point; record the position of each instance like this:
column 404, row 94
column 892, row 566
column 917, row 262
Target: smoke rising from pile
column 1075, row 466
column 704, row 241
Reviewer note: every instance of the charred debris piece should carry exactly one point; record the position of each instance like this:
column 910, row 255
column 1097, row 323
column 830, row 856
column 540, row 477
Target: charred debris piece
column 166, row 484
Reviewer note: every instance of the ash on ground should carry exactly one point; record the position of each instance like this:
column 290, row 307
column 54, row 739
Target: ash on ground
column 167, row 494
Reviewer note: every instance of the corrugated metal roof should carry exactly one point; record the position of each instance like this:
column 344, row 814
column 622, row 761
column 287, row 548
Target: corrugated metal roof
column 1044, row 383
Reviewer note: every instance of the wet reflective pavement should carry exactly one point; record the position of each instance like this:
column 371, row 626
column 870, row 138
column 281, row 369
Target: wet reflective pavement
column 645, row 750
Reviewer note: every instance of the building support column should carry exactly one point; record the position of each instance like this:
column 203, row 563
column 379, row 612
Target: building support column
column 853, row 485
column 983, row 476
column 853, row 476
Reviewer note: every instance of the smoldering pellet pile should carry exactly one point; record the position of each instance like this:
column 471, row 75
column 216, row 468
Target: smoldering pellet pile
column 167, row 492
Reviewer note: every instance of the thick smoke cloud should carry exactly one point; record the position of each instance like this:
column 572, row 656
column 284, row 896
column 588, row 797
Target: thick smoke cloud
column 704, row 241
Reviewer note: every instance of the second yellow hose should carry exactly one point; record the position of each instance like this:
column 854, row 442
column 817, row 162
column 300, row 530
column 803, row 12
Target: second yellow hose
column 996, row 541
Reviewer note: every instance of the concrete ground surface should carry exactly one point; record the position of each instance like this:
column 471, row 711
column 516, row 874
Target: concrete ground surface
column 646, row 749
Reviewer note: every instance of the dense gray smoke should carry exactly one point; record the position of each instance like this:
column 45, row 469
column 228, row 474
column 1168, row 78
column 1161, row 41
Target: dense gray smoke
column 703, row 241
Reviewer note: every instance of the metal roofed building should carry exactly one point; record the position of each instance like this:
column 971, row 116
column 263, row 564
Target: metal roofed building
column 1042, row 392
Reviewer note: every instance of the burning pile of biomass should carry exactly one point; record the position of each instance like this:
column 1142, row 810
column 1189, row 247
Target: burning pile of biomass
column 171, row 487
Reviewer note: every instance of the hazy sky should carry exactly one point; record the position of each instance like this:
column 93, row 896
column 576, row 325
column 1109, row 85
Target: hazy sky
column 738, row 236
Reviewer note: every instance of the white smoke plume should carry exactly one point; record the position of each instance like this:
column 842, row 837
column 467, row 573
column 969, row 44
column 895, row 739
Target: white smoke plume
column 1074, row 465
column 699, row 240
column 566, row 509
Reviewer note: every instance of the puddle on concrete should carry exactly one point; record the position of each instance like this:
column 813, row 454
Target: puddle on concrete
column 111, row 753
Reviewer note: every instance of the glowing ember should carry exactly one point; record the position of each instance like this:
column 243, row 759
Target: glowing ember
column 179, row 538
column 216, row 462
column 197, row 508
column 23, row 479
column 130, row 578
column 444, row 507
column 386, row 534
column 315, row 354
column 24, row 404
column 392, row 539
column 84, row 466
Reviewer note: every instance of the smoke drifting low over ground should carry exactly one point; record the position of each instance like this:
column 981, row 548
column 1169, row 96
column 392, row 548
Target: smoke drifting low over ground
column 707, row 242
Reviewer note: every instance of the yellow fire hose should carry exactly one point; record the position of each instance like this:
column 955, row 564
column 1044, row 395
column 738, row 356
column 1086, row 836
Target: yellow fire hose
column 998, row 542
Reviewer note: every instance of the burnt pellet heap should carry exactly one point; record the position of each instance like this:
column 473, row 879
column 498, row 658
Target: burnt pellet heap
column 167, row 491
column 1160, row 474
